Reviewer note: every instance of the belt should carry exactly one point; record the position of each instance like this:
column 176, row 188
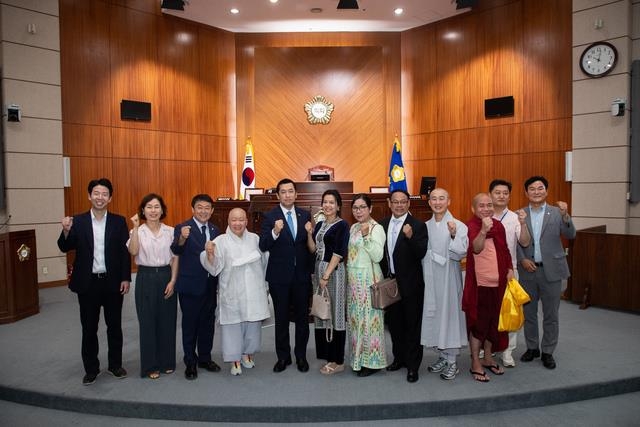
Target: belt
column 154, row 269
column 99, row 275
column 538, row 264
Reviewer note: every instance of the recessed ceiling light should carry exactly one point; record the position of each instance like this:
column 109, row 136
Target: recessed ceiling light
column 398, row 11
column 273, row 1
column 315, row 10
column 235, row 11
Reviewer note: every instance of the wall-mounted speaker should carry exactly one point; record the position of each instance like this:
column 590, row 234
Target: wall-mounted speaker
column 135, row 110
column 498, row 107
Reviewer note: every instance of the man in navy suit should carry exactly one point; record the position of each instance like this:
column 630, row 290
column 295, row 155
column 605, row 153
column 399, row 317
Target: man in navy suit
column 542, row 266
column 196, row 288
column 284, row 235
column 406, row 246
column 101, row 275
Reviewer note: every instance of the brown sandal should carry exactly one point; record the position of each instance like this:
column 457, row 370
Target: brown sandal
column 154, row 375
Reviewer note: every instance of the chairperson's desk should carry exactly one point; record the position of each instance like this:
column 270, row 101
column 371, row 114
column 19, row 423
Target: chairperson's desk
column 309, row 198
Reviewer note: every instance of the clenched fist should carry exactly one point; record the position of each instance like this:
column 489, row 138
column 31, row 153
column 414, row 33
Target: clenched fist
column 278, row 226
column 135, row 220
column 487, row 224
column 185, row 232
column 408, row 231
column 451, row 225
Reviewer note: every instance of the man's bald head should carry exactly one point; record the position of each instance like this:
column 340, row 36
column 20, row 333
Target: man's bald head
column 237, row 221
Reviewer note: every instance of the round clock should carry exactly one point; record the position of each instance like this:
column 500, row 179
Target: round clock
column 598, row 59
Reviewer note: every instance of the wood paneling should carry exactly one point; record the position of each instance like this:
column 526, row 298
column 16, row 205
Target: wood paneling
column 358, row 72
column 502, row 48
column 114, row 50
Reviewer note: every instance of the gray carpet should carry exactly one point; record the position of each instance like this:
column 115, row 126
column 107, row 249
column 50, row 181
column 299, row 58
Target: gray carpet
column 597, row 356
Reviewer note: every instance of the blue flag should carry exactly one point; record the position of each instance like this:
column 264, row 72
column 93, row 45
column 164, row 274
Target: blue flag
column 397, row 178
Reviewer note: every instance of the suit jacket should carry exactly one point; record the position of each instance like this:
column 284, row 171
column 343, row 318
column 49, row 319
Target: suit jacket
column 553, row 255
column 289, row 258
column 116, row 254
column 192, row 277
column 407, row 257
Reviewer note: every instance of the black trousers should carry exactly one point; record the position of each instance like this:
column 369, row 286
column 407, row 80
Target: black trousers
column 198, row 321
column 405, row 323
column 296, row 296
column 330, row 351
column 90, row 303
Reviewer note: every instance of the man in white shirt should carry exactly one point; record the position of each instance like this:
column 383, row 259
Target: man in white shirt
column 517, row 232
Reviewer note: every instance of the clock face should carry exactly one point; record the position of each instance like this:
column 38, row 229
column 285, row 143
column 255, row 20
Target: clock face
column 598, row 59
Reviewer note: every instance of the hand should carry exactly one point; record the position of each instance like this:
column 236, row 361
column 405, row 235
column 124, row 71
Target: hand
column 364, row 229
column 408, row 231
column 124, row 287
column 510, row 274
column 563, row 208
column 210, row 248
column 487, row 224
column 528, row 265
column 168, row 290
column 185, row 232
column 323, row 283
column 522, row 216
column 451, row 225
column 278, row 226
column 67, row 223
column 135, row 220
column 309, row 227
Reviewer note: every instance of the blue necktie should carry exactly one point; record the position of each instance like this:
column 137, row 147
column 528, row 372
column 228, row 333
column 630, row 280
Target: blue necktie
column 204, row 231
column 290, row 223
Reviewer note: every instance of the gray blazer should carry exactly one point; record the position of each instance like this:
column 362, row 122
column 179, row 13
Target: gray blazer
column 553, row 255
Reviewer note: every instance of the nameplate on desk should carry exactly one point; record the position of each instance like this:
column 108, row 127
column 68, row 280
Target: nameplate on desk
column 415, row 197
column 224, row 199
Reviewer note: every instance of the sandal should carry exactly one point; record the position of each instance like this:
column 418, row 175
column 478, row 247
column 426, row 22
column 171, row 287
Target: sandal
column 479, row 376
column 154, row 375
column 331, row 368
column 169, row 371
column 495, row 369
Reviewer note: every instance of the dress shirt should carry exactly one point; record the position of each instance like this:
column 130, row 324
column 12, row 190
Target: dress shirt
column 537, row 218
column 395, row 227
column 99, row 228
column 293, row 217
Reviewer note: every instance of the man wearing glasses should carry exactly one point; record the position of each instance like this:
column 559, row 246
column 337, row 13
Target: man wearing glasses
column 406, row 246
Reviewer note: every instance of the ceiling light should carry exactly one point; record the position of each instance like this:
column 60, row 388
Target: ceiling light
column 348, row 4
column 235, row 11
column 398, row 11
column 273, row 1
column 172, row 4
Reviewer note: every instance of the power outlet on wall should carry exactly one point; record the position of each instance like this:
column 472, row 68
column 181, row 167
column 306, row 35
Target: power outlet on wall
column 45, row 270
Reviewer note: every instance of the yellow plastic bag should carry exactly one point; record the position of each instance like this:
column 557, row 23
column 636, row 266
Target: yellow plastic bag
column 511, row 311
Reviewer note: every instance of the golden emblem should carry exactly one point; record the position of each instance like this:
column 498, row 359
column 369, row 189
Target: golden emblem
column 24, row 252
column 318, row 110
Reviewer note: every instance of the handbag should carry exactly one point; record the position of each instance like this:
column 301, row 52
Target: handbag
column 321, row 308
column 511, row 312
column 384, row 293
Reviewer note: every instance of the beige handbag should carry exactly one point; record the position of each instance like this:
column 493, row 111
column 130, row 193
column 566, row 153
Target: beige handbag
column 384, row 293
column 321, row 308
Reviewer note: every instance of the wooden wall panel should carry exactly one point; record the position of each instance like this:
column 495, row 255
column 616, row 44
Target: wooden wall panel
column 358, row 72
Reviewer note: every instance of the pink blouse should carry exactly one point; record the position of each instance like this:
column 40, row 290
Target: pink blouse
column 154, row 250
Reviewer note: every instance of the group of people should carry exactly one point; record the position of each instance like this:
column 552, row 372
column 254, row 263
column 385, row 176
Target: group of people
column 237, row 271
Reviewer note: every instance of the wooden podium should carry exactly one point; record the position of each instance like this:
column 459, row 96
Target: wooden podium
column 18, row 276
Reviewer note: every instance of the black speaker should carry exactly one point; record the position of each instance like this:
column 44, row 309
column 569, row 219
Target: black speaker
column 498, row 107
column 135, row 110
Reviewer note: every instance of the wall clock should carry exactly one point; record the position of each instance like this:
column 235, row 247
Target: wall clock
column 598, row 59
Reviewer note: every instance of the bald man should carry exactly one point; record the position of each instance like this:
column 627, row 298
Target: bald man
column 236, row 259
column 489, row 267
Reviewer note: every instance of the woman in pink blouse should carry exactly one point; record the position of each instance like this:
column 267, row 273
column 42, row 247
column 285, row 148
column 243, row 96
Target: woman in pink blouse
column 156, row 305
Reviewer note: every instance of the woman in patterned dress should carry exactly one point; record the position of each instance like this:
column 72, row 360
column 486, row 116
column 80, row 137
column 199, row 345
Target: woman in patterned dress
column 329, row 240
column 365, row 323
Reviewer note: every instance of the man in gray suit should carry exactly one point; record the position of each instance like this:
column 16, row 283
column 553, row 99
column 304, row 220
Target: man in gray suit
column 542, row 266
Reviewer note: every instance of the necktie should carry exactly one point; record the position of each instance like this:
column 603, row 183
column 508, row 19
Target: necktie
column 290, row 223
column 395, row 232
column 204, row 231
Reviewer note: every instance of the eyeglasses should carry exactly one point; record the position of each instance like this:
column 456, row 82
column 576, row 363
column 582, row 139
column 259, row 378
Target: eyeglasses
column 359, row 208
column 399, row 202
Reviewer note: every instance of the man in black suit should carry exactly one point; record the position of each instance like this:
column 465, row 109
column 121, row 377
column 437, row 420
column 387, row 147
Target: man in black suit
column 196, row 288
column 405, row 248
column 101, row 275
column 284, row 235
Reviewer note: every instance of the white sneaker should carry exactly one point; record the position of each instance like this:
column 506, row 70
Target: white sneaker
column 236, row 369
column 438, row 366
column 450, row 372
column 247, row 361
column 508, row 362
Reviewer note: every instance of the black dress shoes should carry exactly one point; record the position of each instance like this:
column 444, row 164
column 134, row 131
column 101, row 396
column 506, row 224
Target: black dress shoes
column 119, row 373
column 365, row 372
column 394, row 366
column 548, row 361
column 191, row 373
column 303, row 365
column 89, row 379
column 210, row 366
column 281, row 365
column 529, row 355
column 412, row 376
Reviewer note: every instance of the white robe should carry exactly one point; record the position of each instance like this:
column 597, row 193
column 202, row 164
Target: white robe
column 443, row 321
column 242, row 290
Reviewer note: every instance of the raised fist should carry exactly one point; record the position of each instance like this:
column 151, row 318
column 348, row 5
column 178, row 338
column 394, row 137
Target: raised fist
column 407, row 230
column 67, row 223
column 487, row 224
column 451, row 225
column 185, row 232
column 135, row 220
column 278, row 226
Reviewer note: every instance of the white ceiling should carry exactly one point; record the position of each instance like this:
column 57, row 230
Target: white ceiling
column 262, row 16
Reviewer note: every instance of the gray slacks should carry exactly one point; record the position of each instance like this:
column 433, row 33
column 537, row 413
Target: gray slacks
column 548, row 293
